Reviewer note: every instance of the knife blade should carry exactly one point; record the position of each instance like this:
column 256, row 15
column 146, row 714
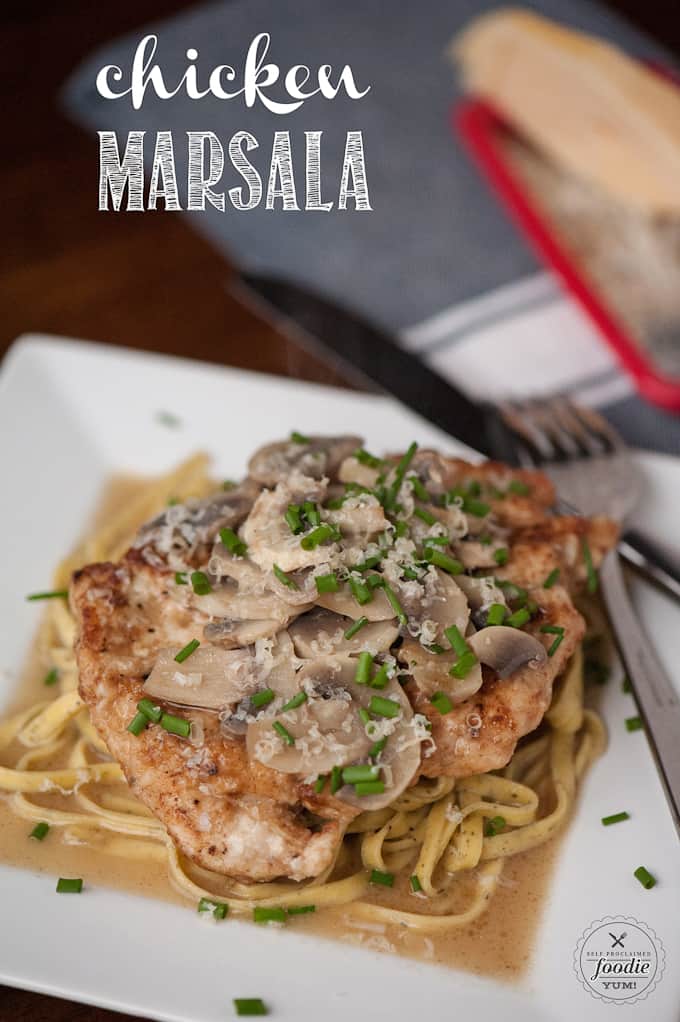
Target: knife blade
column 364, row 352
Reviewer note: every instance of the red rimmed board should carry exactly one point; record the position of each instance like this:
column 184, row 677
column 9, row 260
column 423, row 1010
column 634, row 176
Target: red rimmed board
column 478, row 125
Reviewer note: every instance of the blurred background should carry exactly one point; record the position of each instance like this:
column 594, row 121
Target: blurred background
column 148, row 281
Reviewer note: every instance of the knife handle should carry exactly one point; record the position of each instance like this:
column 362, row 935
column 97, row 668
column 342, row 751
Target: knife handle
column 657, row 699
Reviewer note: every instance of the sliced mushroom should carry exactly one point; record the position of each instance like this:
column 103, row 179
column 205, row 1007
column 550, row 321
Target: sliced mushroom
column 322, row 633
column 360, row 519
column 377, row 609
column 198, row 521
column 214, row 678
column 430, row 671
column 506, row 650
column 329, row 733
column 234, row 634
column 267, row 534
column 473, row 554
column 481, row 592
column 210, row 678
column 320, row 456
column 353, row 471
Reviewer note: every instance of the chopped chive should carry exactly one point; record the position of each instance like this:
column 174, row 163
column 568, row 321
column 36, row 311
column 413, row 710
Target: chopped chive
column 377, row 747
column 615, row 818
column 380, row 678
column 52, row 677
column 519, row 487
column 218, row 908
column 434, row 647
column 552, row 629
column 443, row 561
column 250, row 1006
column 299, row 438
column 591, row 575
column 519, row 618
column 441, row 702
column 474, row 488
column 175, row 725
column 320, row 783
column 633, row 724
column 496, row 614
column 425, row 515
column 327, row 583
column 284, row 579
column 532, row 607
column 300, row 910
column 645, row 878
column 456, row 640
column 370, row 562
column 415, row 884
column 228, row 484
column 263, row 697
column 150, row 710
column 168, row 419
column 187, row 651
column 399, row 473
column 501, row 556
column 69, row 886
column 394, row 603
column 295, row 702
column 283, row 732
column 410, row 575
column 233, row 544
column 364, row 666
column 626, row 686
column 138, row 723
column 552, row 578
column 311, row 512
column 293, row 519
column 401, row 529
column 363, row 788
column 511, row 590
column 364, row 458
column 262, row 914
column 478, row 508
column 463, row 665
column 383, row 707
column 356, row 627
column 436, row 541
column 321, row 534
column 200, row 583
column 555, row 645
column 485, row 538
column 494, row 825
column 181, row 578
column 362, row 772
column 375, row 582
column 54, row 594
column 418, row 488
column 360, row 591
column 172, row 502
column 40, row 831
column 336, row 779
column 380, row 877
column 364, row 716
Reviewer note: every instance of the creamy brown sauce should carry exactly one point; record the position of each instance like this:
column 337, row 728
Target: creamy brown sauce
column 499, row 943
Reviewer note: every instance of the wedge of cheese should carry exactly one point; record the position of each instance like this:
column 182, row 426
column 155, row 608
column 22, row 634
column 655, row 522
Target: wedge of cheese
column 597, row 112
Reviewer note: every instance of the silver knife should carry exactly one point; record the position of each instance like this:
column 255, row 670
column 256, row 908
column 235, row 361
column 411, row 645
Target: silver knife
column 366, row 353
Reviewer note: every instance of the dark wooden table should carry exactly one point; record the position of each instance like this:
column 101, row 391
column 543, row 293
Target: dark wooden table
column 144, row 282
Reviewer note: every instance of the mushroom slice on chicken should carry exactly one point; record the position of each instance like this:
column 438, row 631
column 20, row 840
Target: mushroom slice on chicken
column 360, row 519
column 317, row 457
column 342, row 602
column 322, row 633
column 197, row 522
column 430, row 671
column 354, row 471
column 269, row 537
column 211, row 679
column 506, row 650
column 326, row 731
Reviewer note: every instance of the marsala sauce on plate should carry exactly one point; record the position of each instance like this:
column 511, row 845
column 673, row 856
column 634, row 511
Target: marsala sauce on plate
column 498, row 944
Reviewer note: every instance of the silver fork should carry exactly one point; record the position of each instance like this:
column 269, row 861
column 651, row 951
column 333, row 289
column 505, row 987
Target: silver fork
column 593, row 474
column 592, row 471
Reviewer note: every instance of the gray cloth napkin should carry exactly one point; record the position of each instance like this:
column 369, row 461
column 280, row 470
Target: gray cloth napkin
column 436, row 235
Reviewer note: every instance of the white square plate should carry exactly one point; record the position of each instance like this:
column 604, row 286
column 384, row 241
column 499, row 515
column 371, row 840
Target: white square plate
column 71, row 415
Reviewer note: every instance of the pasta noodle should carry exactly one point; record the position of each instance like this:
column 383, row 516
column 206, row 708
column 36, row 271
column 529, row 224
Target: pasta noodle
column 437, row 831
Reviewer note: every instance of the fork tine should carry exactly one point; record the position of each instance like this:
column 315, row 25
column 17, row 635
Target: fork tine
column 548, row 416
column 596, row 427
column 530, row 445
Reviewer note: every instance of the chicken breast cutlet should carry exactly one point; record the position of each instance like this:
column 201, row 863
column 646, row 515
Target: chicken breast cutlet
column 310, row 643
